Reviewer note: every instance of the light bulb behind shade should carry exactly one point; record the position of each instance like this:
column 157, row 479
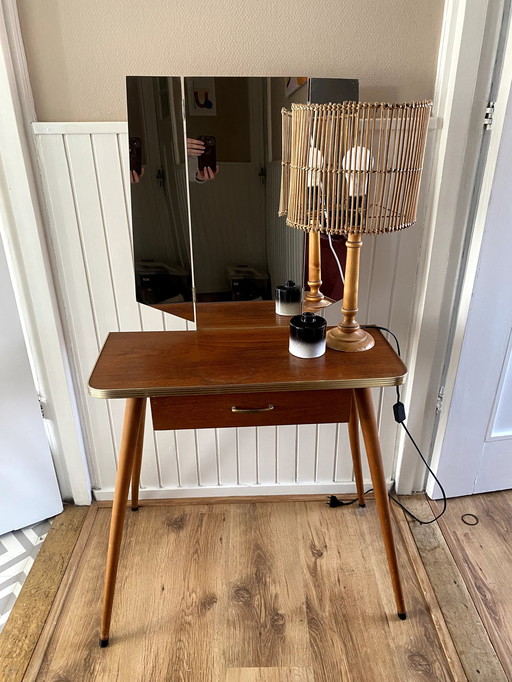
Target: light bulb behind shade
column 360, row 160
column 315, row 161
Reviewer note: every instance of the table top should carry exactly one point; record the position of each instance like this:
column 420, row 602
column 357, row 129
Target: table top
column 220, row 361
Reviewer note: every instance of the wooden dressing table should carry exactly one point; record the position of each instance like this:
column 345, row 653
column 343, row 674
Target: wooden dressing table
column 239, row 377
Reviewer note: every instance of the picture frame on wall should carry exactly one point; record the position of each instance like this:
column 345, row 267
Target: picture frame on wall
column 293, row 83
column 201, row 97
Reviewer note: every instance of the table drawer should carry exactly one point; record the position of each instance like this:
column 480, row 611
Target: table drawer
column 251, row 409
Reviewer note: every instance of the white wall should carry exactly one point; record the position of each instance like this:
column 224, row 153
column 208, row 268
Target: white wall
column 79, row 53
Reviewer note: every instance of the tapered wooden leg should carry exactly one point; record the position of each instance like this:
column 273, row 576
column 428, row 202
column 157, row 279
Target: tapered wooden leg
column 353, row 434
column 132, row 418
column 372, row 445
column 137, row 460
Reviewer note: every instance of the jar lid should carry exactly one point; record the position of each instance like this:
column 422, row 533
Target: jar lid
column 308, row 321
column 288, row 285
column 308, row 328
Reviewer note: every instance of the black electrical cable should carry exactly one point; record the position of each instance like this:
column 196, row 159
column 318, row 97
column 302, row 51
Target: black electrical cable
column 336, row 502
column 423, row 523
column 399, row 412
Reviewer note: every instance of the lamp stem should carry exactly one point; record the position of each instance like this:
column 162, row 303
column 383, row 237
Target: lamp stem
column 314, row 299
column 351, row 291
column 348, row 335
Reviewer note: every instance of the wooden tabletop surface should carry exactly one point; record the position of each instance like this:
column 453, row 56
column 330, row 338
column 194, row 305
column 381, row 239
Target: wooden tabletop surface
column 138, row 364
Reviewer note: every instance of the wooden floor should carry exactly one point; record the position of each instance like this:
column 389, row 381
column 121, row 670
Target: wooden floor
column 283, row 591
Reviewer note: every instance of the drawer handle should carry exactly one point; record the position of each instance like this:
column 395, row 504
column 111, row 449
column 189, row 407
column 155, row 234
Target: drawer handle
column 252, row 409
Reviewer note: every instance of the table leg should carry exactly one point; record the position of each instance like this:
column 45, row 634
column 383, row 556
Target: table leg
column 132, row 420
column 372, row 445
column 353, row 434
column 137, row 460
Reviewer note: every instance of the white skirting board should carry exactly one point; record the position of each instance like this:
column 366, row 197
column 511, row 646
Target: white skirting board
column 326, row 489
column 84, row 170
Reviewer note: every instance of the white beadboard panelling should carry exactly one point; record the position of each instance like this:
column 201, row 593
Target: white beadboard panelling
column 305, row 465
column 286, row 454
column 74, row 291
column 86, row 186
column 188, row 459
column 267, row 440
column 343, row 464
column 227, row 441
column 115, row 216
column 168, row 459
column 207, row 457
column 247, row 455
column 326, row 453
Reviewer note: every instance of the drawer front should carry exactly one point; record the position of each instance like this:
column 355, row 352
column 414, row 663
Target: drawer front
column 251, row 409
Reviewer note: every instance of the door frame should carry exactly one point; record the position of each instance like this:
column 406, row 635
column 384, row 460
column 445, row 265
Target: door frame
column 475, row 244
column 466, row 57
column 457, row 104
column 28, row 261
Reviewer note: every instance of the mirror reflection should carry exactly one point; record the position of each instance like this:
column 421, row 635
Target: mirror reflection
column 205, row 169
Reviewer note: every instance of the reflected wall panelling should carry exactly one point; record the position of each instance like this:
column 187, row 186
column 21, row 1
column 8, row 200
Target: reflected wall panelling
column 86, row 185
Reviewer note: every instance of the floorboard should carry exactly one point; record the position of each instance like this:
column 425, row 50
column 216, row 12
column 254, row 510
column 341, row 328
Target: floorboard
column 243, row 592
column 25, row 624
column 475, row 650
column 483, row 554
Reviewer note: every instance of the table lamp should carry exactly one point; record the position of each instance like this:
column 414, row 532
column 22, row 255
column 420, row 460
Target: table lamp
column 352, row 169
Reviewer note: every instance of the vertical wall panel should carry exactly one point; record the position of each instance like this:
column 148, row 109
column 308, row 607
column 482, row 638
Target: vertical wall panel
column 286, row 454
column 86, row 187
column 75, row 299
column 247, row 455
column 326, row 455
column 267, row 439
column 227, row 442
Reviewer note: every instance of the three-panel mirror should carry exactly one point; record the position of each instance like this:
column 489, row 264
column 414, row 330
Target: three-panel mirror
column 205, row 168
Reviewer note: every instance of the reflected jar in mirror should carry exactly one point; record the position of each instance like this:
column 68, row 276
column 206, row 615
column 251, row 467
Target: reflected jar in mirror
column 307, row 335
column 288, row 298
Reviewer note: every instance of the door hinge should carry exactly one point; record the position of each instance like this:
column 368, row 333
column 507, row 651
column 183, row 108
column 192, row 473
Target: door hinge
column 489, row 115
column 42, row 405
column 440, row 400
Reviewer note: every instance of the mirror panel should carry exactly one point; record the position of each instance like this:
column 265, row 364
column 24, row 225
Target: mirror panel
column 161, row 242
column 241, row 249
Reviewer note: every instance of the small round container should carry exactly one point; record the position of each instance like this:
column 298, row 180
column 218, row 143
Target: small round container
column 307, row 335
column 288, row 299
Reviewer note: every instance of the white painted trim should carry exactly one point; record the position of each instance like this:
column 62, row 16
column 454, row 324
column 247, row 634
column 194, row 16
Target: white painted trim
column 78, row 127
column 241, row 491
column 17, row 49
column 118, row 128
column 461, row 91
column 496, row 132
column 29, row 264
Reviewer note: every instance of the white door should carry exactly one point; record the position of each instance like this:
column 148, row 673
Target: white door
column 28, row 485
column 476, row 452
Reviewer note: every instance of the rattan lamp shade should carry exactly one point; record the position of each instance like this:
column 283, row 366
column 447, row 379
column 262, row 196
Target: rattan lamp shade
column 352, row 169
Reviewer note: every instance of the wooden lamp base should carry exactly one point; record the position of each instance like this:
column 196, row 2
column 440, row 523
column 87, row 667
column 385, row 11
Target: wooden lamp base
column 349, row 340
